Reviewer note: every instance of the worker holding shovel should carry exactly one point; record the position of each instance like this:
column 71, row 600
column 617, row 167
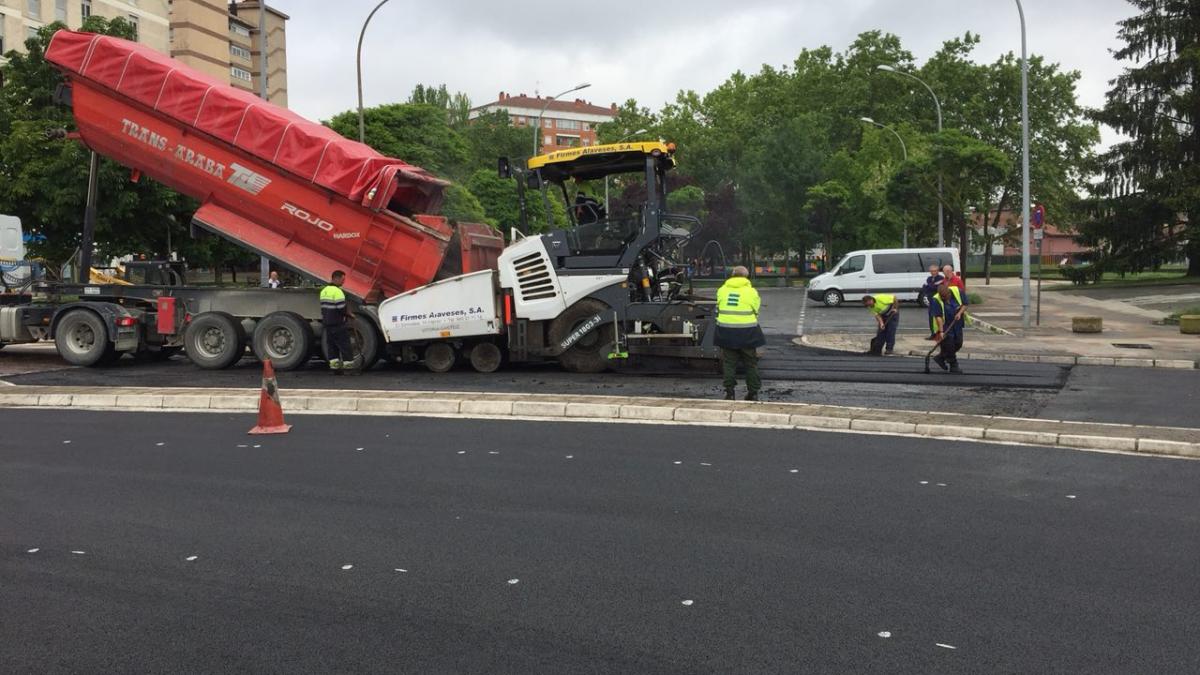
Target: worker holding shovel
column 948, row 321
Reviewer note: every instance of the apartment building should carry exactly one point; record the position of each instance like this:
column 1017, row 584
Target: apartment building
column 216, row 37
column 20, row 19
column 565, row 124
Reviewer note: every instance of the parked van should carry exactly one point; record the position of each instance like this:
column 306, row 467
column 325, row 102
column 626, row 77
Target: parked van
column 901, row 271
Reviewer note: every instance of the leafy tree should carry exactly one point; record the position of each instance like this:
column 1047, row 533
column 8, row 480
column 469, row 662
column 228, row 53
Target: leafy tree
column 462, row 206
column 826, row 204
column 457, row 105
column 490, row 136
column 1154, row 103
column 415, row 132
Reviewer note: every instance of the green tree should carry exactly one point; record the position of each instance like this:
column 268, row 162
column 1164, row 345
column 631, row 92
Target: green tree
column 490, row 136
column 1155, row 104
column 461, row 205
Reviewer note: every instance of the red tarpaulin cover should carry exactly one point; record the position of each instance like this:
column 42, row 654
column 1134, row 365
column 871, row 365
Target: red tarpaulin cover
column 269, row 132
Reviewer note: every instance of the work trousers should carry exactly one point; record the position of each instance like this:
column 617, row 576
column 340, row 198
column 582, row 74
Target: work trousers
column 341, row 351
column 748, row 358
column 949, row 347
column 891, row 323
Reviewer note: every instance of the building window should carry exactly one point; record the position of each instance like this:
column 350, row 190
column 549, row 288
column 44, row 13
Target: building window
column 548, row 122
column 30, row 32
column 85, row 9
column 33, row 9
column 567, row 141
column 240, row 73
column 238, row 29
column 1, row 44
column 60, row 10
column 134, row 21
column 240, row 52
column 549, row 140
column 568, row 124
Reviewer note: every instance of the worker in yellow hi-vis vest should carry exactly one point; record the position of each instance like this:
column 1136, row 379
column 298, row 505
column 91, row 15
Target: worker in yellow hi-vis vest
column 738, row 333
column 335, row 320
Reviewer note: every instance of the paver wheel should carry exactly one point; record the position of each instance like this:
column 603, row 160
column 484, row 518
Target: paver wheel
column 589, row 354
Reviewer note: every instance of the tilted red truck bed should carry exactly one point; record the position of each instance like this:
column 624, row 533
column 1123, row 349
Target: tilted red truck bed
column 288, row 188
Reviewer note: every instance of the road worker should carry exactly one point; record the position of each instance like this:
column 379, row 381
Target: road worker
column 948, row 321
column 336, row 317
column 738, row 333
column 886, row 309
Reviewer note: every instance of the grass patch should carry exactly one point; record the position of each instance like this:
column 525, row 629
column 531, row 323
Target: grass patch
column 1114, row 280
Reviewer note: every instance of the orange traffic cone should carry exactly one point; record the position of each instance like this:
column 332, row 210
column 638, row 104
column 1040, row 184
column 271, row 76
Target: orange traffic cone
column 270, row 413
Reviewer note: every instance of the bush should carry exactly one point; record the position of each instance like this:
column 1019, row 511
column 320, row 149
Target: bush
column 974, row 299
column 1081, row 274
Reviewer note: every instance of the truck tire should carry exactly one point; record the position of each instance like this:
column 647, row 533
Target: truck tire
column 590, row 353
column 82, row 339
column 214, row 340
column 440, row 357
column 364, row 340
column 486, row 357
column 285, row 339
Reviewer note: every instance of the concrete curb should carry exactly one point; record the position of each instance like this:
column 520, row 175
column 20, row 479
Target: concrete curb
column 1162, row 441
column 1054, row 359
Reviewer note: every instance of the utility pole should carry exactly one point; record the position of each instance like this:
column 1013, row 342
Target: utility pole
column 1025, row 205
column 264, row 264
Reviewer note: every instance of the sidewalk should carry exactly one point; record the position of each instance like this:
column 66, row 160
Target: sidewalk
column 998, row 332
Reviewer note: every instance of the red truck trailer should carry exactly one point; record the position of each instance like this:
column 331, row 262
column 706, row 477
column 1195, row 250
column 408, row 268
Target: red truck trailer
column 284, row 187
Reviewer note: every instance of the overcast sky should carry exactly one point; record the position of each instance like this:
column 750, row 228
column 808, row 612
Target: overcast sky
column 648, row 50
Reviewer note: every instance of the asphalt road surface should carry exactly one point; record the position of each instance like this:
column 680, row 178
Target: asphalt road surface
column 791, row 373
column 176, row 543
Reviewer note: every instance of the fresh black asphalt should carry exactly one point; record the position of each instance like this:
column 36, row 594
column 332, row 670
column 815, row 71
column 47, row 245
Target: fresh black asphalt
column 564, row 548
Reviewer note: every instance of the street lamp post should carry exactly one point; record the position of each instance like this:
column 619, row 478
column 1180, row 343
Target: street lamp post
column 264, row 263
column 537, row 129
column 937, row 106
column 904, row 153
column 1025, row 205
column 362, row 130
column 639, row 132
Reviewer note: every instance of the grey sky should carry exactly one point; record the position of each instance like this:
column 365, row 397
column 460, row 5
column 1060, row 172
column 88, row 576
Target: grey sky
column 648, row 50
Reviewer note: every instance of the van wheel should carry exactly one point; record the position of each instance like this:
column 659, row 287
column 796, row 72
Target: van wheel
column 832, row 298
column 82, row 339
column 440, row 357
column 285, row 339
column 214, row 340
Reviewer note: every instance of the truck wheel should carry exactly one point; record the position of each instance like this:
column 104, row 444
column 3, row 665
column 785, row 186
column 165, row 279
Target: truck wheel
column 832, row 298
column 82, row 339
column 590, row 353
column 486, row 357
column 214, row 340
column 284, row 338
column 439, row 357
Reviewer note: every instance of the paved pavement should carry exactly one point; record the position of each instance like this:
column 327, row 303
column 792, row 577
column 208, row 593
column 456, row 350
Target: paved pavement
column 171, row 543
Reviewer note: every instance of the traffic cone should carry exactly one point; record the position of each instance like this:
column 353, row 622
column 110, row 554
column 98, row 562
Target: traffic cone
column 270, row 413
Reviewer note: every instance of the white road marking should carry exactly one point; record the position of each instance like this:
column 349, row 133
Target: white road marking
column 160, row 444
column 1070, row 496
column 79, row 552
column 941, row 485
column 258, row 446
column 347, row 567
column 946, row 646
column 885, row 634
column 242, row 445
column 66, row 442
column 513, row 581
column 493, row 452
column 687, row 603
column 679, row 462
column 359, row 449
column 570, row 456
column 705, row 464
column 33, row 550
column 191, row 558
column 400, row 569
column 462, row 452
column 924, row 482
column 803, row 309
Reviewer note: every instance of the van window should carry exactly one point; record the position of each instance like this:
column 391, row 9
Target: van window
column 897, row 263
column 853, row 264
column 939, row 258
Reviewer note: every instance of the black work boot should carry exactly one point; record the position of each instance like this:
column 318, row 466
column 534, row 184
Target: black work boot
column 752, row 396
column 941, row 362
column 954, row 369
column 729, row 395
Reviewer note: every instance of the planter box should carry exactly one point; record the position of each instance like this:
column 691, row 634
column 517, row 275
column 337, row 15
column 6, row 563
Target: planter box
column 1087, row 324
column 1189, row 324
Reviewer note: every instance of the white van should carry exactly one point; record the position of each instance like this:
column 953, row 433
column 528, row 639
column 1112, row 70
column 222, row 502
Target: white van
column 12, row 251
column 901, row 271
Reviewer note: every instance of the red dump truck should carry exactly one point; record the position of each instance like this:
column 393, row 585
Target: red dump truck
column 603, row 291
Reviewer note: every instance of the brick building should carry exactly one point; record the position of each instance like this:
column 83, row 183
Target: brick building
column 565, row 124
